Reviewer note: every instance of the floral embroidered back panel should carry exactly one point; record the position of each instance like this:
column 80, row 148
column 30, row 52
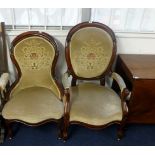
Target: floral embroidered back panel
column 90, row 52
column 35, row 56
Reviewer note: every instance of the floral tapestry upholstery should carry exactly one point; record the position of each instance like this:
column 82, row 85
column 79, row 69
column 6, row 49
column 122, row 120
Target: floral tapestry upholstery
column 35, row 56
column 90, row 51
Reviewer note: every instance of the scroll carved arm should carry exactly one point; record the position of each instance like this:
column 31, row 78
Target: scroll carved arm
column 125, row 94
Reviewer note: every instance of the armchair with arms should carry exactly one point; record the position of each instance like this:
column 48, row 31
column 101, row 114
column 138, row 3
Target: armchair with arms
column 90, row 52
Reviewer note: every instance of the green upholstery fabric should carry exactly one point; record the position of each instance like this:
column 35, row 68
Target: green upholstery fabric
column 33, row 105
column 35, row 56
column 94, row 104
column 90, row 51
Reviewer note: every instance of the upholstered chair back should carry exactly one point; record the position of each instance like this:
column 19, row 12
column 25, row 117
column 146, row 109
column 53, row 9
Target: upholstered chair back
column 34, row 55
column 90, row 49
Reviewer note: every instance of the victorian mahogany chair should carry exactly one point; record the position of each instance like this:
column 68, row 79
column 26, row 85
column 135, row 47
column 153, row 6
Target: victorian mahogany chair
column 90, row 52
column 35, row 97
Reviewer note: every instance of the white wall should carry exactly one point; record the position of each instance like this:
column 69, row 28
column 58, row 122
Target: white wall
column 127, row 43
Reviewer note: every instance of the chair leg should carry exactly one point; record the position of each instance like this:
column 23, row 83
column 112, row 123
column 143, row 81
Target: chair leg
column 2, row 135
column 65, row 130
column 1, row 131
column 9, row 129
column 65, row 134
column 121, row 130
column 60, row 128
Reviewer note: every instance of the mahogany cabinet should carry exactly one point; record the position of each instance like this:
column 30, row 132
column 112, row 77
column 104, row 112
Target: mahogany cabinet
column 138, row 71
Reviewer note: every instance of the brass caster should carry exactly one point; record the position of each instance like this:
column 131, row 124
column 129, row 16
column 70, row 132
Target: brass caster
column 59, row 136
column 120, row 135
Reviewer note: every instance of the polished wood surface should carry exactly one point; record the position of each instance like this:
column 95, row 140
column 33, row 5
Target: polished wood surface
column 140, row 66
column 138, row 72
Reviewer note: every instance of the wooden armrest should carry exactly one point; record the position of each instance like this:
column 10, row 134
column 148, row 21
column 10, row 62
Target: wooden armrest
column 124, row 96
column 124, row 91
column 121, row 85
column 119, row 81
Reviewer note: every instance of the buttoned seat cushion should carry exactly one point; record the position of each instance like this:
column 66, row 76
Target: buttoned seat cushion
column 94, row 104
column 33, row 105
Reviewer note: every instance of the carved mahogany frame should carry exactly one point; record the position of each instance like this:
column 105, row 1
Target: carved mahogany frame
column 19, row 38
column 108, row 71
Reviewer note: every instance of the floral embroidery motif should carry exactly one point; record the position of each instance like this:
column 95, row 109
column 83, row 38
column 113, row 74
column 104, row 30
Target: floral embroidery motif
column 92, row 56
column 35, row 56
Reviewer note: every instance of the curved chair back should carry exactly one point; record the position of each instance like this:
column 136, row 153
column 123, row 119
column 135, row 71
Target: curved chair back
column 90, row 50
column 34, row 55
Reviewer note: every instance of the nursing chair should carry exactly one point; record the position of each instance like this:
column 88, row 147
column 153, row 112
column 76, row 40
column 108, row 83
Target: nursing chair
column 35, row 97
column 90, row 52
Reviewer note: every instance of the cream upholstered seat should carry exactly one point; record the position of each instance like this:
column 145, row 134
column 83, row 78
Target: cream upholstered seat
column 94, row 104
column 33, row 105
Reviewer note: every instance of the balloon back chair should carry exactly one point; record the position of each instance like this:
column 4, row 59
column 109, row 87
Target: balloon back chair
column 90, row 51
column 35, row 97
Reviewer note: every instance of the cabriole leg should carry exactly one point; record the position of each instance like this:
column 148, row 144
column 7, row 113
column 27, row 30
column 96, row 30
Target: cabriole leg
column 121, row 130
column 2, row 131
column 8, row 125
column 65, row 129
column 60, row 128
